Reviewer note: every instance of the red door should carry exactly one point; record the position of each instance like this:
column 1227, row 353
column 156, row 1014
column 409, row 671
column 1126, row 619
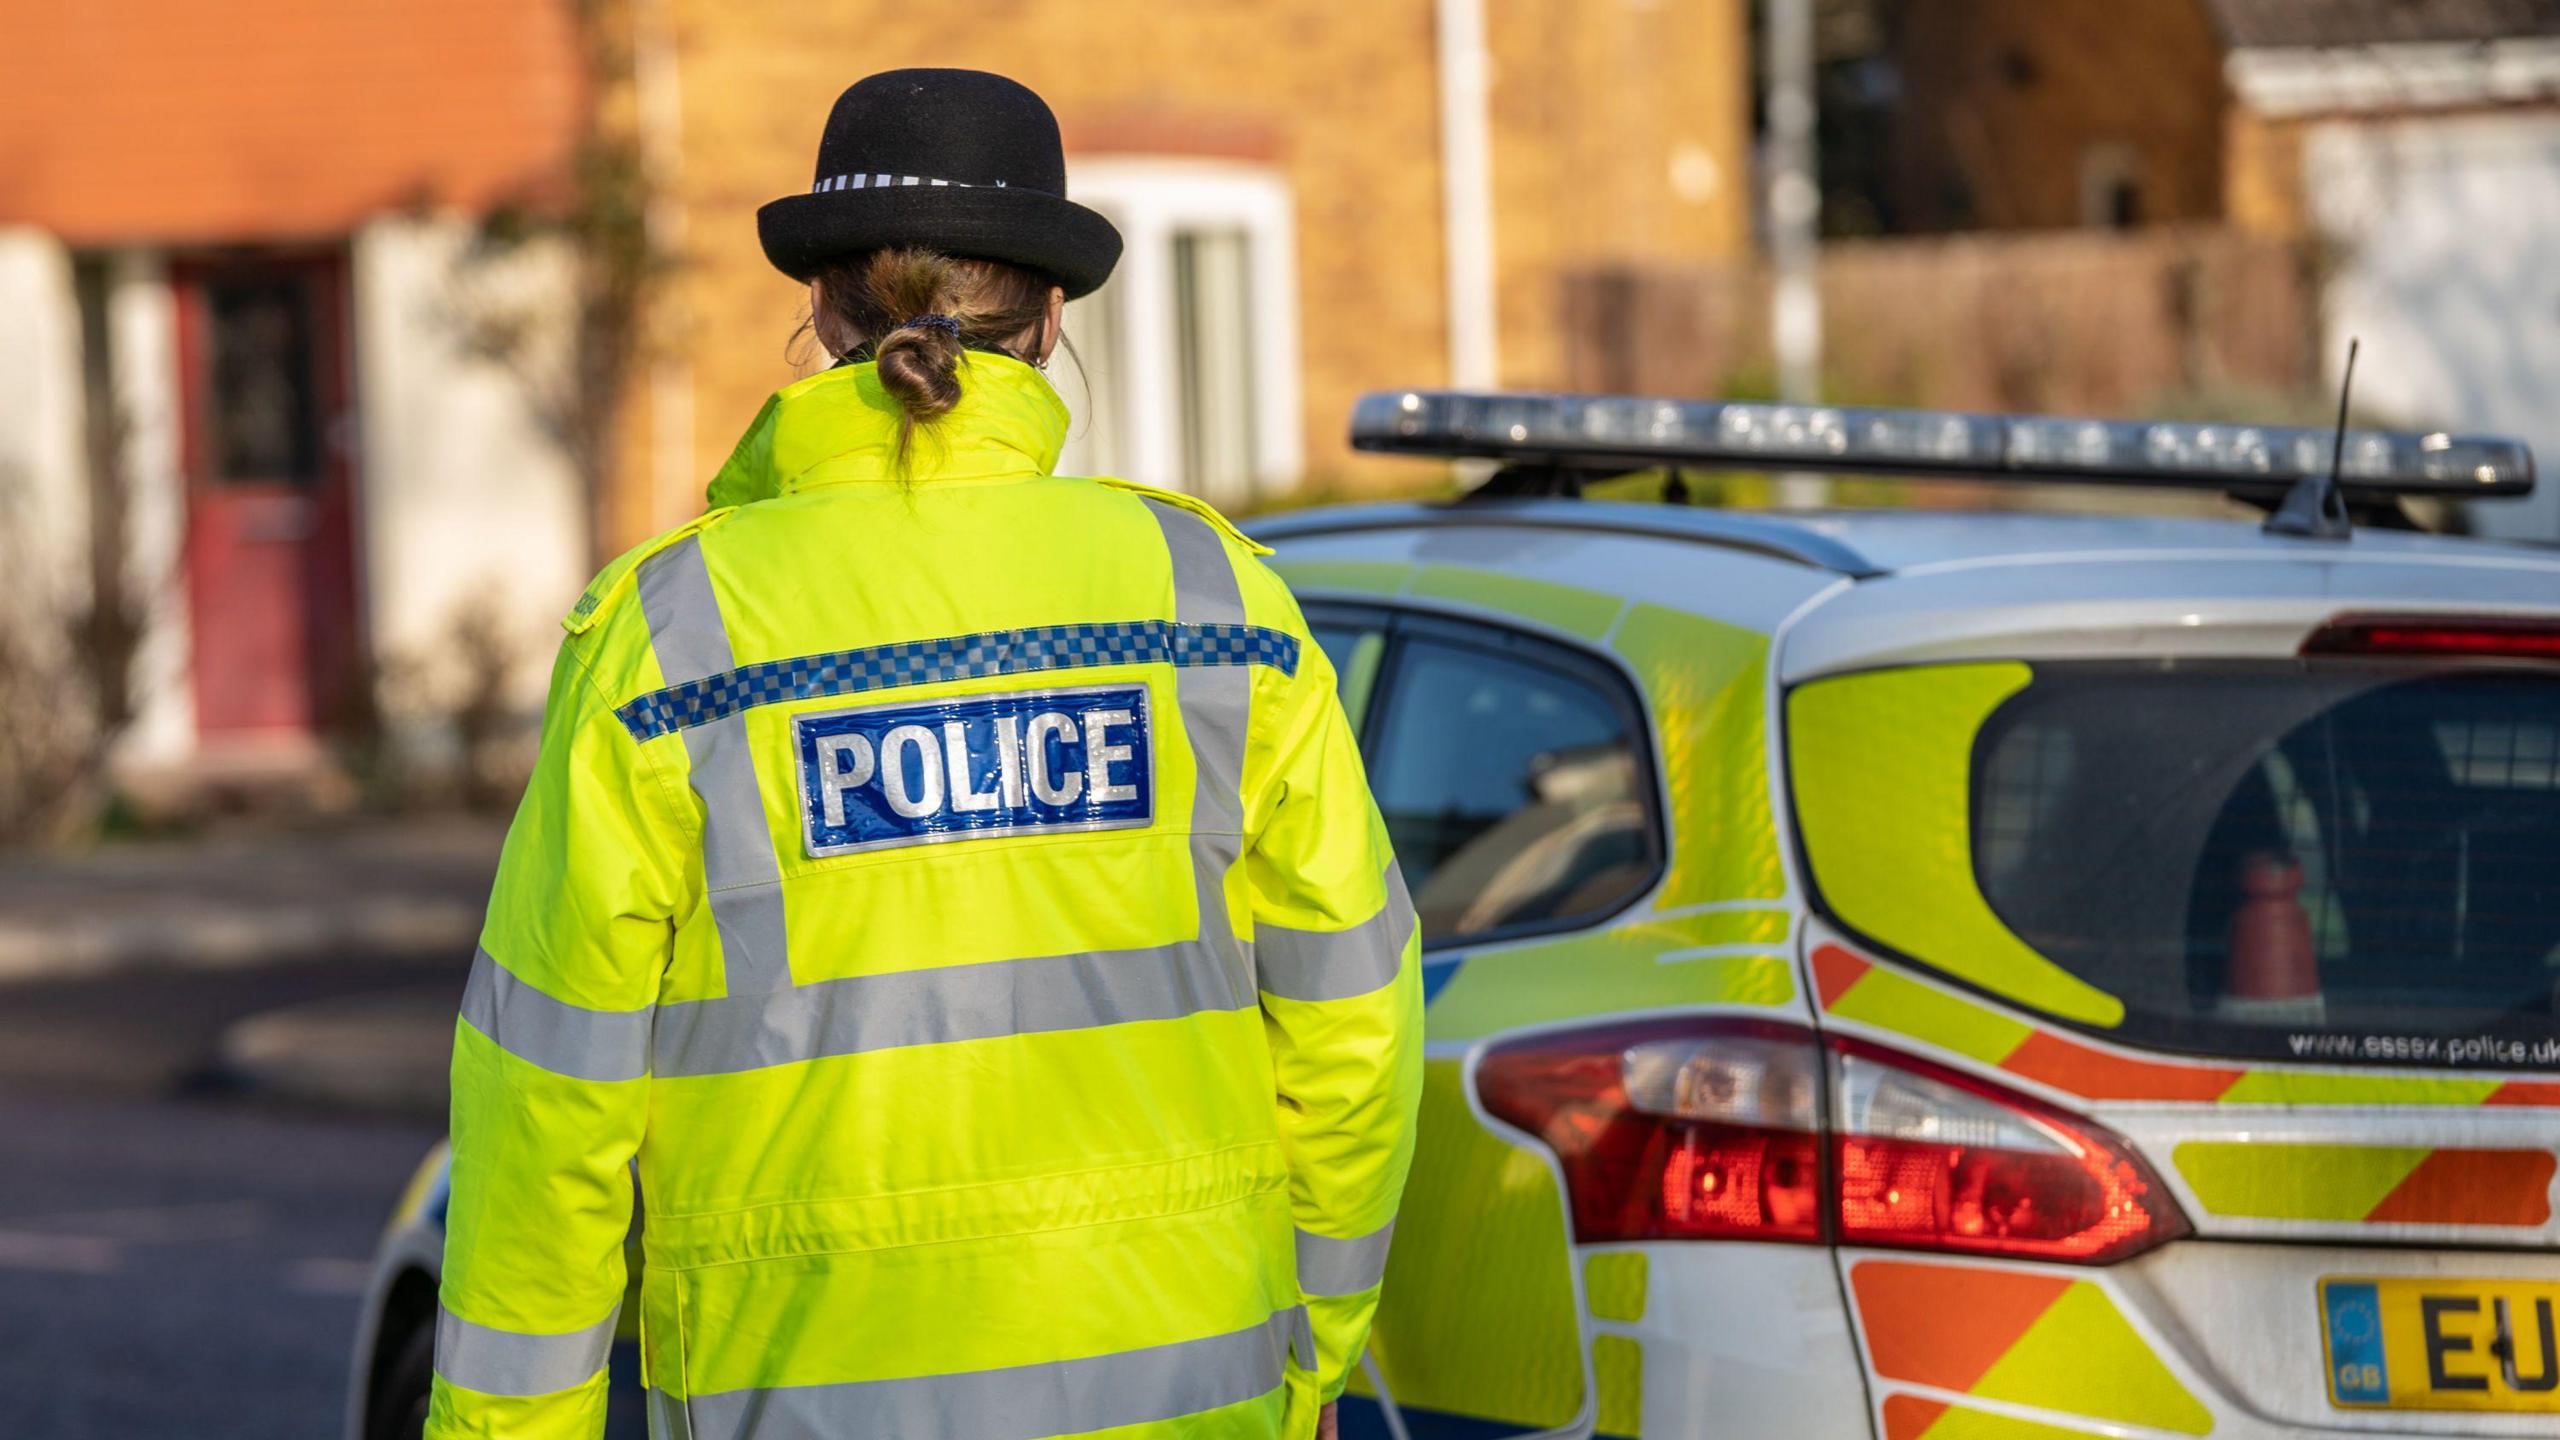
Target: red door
column 270, row 552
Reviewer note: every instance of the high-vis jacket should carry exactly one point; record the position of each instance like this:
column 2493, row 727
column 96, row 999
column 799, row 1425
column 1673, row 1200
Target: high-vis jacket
column 952, row 897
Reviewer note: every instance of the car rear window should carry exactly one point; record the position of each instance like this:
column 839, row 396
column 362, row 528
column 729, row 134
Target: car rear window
column 2346, row 862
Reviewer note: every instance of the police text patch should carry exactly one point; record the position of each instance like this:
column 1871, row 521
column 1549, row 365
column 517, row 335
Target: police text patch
column 1032, row 760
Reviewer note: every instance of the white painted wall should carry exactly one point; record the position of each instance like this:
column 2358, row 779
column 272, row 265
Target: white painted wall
column 142, row 343
column 43, row 477
column 2452, row 280
column 463, row 496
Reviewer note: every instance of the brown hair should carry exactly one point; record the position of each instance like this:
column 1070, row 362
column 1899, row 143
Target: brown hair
column 872, row 302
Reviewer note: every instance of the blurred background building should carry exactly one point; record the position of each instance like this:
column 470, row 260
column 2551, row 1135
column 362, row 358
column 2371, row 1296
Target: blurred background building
column 347, row 336
column 350, row 354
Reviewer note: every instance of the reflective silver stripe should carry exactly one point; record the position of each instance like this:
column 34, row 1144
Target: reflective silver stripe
column 560, row 1037
column 1216, row 709
column 1204, row 579
column 685, row 630
column 935, row 1006
column 740, row 871
column 1327, row 1266
column 667, row 1418
column 1337, row 964
column 510, row 1362
column 1019, row 1402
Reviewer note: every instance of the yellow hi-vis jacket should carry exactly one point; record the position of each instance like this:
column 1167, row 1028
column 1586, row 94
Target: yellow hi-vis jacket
column 955, row 900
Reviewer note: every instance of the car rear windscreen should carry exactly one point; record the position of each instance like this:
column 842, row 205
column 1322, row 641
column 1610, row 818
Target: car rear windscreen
column 2343, row 862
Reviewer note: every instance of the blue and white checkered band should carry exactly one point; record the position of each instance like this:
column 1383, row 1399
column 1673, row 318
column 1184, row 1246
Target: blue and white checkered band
column 959, row 657
column 883, row 182
column 1022, row 762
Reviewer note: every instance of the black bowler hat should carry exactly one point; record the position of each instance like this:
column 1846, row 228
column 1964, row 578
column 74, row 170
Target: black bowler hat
column 958, row 161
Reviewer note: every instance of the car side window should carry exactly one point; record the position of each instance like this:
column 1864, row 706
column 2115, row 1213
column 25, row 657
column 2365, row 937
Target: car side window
column 1513, row 781
column 1355, row 641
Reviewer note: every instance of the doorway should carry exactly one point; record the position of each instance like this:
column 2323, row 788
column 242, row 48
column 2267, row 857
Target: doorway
column 267, row 434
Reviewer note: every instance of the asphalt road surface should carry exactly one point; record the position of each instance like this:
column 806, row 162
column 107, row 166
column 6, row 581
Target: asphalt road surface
column 181, row 1251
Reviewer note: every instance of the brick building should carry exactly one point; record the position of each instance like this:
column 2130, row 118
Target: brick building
column 247, row 249
column 1280, row 169
column 2026, row 114
column 2409, row 148
column 234, row 244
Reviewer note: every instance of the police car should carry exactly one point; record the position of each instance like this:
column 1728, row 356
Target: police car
column 1966, row 976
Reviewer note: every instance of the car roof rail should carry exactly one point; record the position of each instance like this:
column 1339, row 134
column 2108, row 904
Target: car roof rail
column 1550, row 444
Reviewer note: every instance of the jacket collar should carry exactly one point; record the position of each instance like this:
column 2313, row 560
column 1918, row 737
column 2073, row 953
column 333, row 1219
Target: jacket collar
column 840, row 427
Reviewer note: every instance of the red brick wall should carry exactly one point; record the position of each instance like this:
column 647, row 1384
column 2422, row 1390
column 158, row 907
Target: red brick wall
column 2085, row 322
column 2003, row 98
column 234, row 120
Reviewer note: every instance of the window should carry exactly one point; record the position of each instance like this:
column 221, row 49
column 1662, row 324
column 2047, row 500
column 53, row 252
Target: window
column 1355, row 640
column 1191, row 352
column 262, row 409
column 2288, row 855
column 1513, row 785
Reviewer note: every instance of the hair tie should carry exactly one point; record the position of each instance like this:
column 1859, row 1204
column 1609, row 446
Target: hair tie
column 943, row 323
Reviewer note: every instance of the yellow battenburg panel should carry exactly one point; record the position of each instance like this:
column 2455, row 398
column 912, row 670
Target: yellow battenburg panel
column 2280, row 1087
column 2082, row 1357
column 1617, row 1367
column 1359, row 577
column 413, row 1196
column 2294, row 1182
column 1569, row 608
column 1615, row 1284
column 1882, row 767
column 1479, row 1319
column 1706, row 684
column 1924, row 1012
column 1623, row 968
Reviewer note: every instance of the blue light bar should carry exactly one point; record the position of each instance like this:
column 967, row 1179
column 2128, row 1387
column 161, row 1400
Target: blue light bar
column 1601, row 432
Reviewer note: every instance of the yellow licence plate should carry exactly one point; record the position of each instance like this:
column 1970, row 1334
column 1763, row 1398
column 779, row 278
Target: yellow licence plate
column 2407, row 1344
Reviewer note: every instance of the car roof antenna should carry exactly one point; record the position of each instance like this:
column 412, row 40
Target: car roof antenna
column 2315, row 509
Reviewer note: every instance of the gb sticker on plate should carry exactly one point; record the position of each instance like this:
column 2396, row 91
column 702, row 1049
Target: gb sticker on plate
column 1034, row 760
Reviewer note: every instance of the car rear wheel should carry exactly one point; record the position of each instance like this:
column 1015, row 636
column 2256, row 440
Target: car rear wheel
column 399, row 1410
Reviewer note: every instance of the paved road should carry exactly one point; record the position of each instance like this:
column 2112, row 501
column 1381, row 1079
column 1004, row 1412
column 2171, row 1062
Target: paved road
column 180, row 1255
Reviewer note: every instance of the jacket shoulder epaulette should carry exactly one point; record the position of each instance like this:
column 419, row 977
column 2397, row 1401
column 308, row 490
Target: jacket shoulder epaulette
column 616, row 577
column 1192, row 503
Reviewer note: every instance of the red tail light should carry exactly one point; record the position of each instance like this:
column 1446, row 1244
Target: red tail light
column 1932, row 1159
column 1714, row 1129
column 1673, row 1131
column 2449, row 636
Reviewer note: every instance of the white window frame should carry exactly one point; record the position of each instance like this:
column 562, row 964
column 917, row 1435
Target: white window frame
column 1152, row 199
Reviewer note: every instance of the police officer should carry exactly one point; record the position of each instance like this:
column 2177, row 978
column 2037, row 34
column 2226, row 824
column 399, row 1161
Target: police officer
column 948, row 891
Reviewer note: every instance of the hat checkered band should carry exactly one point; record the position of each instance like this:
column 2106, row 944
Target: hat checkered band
column 883, row 182
column 958, row 657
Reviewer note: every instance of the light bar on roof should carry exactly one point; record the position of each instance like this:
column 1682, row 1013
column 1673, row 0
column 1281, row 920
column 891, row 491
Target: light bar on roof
column 1626, row 432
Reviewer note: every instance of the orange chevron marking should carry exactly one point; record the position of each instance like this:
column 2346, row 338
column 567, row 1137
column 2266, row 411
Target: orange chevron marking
column 2526, row 1092
column 1907, row 1417
column 1945, row 1325
column 1835, row 970
column 2473, row 1187
column 2083, row 1070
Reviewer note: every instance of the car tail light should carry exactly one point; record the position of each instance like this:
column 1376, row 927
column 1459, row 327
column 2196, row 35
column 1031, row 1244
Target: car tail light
column 2450, row 636
column 1932, row 1159
column 1675, row 1130
column 1715, row 1129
